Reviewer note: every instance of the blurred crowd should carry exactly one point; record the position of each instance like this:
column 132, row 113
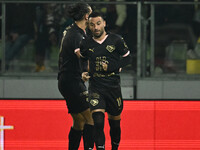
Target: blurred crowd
column 42, row 26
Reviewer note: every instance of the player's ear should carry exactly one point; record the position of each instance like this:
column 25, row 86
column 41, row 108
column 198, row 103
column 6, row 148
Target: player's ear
column 104, row 22
column 86, row 16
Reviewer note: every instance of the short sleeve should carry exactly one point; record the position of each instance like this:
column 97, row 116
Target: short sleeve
column 77, row 40
column 122, row 48
column 83, row 48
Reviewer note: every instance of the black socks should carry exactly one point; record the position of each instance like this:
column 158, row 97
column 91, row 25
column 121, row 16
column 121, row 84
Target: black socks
column 88, row 137
column 115, row 133
column 98, row 118
column 74, row 139
column 96, row 133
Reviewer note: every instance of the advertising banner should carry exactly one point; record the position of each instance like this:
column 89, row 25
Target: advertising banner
column 145, row 125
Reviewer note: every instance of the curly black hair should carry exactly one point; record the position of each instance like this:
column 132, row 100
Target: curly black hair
column 97, row 14
column 78, row 10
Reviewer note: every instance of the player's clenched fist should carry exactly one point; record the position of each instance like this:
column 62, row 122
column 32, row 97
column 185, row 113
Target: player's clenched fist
column 85, row 76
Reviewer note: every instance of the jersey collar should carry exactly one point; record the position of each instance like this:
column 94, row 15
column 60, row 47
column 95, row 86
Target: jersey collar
column 100, row 42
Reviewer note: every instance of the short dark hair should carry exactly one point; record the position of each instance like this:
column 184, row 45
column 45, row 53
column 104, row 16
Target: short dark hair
column 78, row 10
column 97, row 14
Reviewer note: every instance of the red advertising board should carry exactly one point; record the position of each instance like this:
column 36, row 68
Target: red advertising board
column 146, row 125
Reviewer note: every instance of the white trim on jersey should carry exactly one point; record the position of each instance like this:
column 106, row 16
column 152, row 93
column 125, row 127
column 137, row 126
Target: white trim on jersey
column 100, row 42
column 126, row 54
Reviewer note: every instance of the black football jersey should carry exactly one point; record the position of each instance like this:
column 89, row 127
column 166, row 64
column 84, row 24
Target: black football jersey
column 109, row 51
column 68, row 60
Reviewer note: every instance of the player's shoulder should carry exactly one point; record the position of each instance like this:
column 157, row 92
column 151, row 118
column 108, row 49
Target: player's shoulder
column 69, row 28
column 68, row 31
column 86, row 40
column 115, row 36
column 73, row 30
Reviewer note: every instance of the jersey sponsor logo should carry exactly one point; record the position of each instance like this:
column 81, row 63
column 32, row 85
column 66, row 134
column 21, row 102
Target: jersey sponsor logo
column 103, row 75
column 110, row 48
column 94, row 102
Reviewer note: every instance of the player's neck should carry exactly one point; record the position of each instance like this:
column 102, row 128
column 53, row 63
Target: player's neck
column 101, row 37
column 81, row 24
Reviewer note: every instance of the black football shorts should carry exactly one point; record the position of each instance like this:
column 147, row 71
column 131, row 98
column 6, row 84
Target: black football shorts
column 108, row 99
column 75, row 93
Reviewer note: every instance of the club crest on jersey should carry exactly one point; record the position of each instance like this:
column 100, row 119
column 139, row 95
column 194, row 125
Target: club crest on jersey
column 94, row 102
column 110, row 48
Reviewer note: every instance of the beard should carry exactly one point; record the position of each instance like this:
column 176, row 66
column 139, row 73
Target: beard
column 98, row 35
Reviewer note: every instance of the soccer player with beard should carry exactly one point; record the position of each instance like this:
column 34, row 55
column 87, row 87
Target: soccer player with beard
column 107, row 54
